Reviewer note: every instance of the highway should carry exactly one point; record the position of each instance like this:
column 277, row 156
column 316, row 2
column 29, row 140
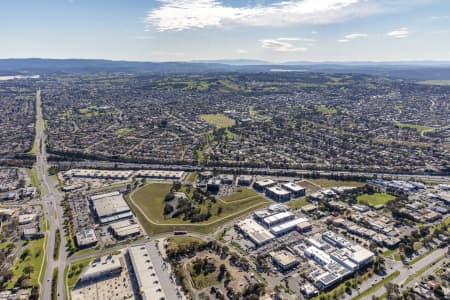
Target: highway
column 51, row 200
column 256, row 171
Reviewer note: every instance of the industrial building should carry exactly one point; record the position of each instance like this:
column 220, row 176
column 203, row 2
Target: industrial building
column 296, row 190
column 278, row 218
column 286, row 227
column 158, row 174
column 284, row 260
column 149, row 286
column 86, row 238
column 125, row 229
column 101, row 174
column 262, row 185
column 110, row 207
column 278, row 194
column 101, row 267
column 255, row 232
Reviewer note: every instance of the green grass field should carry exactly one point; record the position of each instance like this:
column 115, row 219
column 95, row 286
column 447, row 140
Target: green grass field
column 326, row 110
column 435, row 82
column 192, row 177
column 35, row 146
column 218, row 120
column 242, row 193
column 375, row 198
column 299, row 203
column 148, row 203
column 326, row 183
column 125, row 131
column 173, row 243
column 34, row 259
column 419, row 128
column 74, row 270
column 34, row 180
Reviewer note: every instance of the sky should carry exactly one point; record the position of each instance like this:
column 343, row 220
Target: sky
column 183, row 30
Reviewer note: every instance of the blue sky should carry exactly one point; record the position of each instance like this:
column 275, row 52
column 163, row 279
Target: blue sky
column 277, row 30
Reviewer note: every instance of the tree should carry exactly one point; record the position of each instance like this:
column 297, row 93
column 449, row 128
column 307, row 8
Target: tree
column 28, row 270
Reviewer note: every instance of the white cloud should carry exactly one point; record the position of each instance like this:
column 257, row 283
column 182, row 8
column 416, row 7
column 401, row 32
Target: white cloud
column 294, row 39
column 356, row 36
column 352, row 36
column 281, row 46
column 241, row 51
column 440, row 17
column 399, row 33
column 186, row 14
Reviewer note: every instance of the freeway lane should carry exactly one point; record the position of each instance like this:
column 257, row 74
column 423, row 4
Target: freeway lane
column 51, row 199
column 257, row 171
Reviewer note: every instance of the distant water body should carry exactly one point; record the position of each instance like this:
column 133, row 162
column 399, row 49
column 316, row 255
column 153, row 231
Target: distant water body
column 12, row 77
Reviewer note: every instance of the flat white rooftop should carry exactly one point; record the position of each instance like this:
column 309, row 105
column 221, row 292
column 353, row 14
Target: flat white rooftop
column 148, row 281
column 111, row 205
column 278, row 217
column 255, row 232
column 287, row 226
column 278, row 191
column 102, row 266
column 291, row 186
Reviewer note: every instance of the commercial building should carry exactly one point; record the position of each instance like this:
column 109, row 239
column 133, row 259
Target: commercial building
column 278, row 218
column 103, row 267
column 86, row 238
column 125, row 229
column 110, row 207
column 26, row 219
column 360, row 208
column 278, row 194
column 158, row 174
column 32, row 233
column 149, row 286
column 101, row 174
column 335, row 240
column 255, row 232
column 318, row 255
column 213, row 185
column 295, row 189
column 284, row 260
column 309, row 208
column 8, row 196
column 270, row 211
column 226, row 179
column 354, row 253
column 360, row 255
column 304, row 227
column 244, row 180
column 262, row 185
column 326, row 280
column 315, row 243
column 286, row 227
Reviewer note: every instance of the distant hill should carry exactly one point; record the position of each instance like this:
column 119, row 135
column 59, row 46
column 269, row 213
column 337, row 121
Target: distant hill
column 417, row 70
column 235, row 62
